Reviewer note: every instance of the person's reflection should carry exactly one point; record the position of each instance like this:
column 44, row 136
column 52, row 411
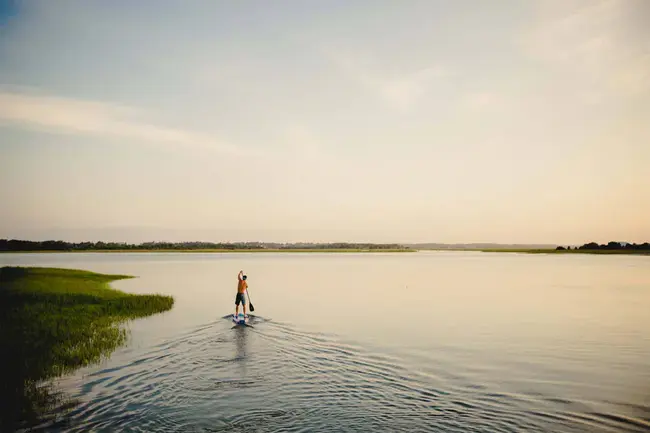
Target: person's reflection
column 241, row 335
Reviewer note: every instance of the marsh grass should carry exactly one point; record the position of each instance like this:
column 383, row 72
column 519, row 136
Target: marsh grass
column 53, row 321
column 572, row 251
column 218, row 250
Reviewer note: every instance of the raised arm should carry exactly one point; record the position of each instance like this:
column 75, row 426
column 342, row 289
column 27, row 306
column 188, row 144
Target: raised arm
column 239, row 275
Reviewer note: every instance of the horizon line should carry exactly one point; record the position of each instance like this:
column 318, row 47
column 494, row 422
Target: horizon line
column 261, row 242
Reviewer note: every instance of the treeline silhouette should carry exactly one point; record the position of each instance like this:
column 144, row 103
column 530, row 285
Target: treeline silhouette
column 53, row 245
column 610, row 246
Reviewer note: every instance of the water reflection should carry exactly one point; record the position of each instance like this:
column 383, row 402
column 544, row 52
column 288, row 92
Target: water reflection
column 241, row 337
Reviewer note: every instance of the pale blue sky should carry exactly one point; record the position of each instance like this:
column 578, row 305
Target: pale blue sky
column 450, row 121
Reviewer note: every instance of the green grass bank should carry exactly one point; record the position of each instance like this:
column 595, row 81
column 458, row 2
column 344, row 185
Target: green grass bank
column 554, row 251
column 52, row 322
column 219, row 250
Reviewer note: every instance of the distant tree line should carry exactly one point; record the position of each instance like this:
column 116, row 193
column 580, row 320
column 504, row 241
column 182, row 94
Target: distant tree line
column 610, row 246
column 52, row 245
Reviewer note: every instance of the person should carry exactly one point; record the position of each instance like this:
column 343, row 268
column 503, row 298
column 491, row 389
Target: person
column 242, row 285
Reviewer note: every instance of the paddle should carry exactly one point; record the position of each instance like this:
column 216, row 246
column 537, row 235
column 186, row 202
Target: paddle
column 250, row 304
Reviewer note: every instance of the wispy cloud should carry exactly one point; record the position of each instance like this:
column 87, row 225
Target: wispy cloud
column 405, row 90
column 589, row 47
column 579, row 35
column 76, row 116
column 401, row 91
column 482, row 101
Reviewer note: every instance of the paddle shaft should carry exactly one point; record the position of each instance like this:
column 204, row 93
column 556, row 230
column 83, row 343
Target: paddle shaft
column 250, row 303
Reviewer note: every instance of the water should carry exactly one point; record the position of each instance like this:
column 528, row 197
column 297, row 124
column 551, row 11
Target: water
column 431, row 341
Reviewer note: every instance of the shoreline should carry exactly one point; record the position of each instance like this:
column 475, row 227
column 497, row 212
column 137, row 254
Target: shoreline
column 559, row 252
column 548, row 251
column 221, row 251
column 334, row 251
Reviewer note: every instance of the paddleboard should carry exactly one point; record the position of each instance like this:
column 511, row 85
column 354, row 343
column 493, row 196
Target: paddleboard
column 240, row 320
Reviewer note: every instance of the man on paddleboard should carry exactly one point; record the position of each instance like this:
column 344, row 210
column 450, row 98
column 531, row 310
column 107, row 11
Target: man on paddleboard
column 242, row 285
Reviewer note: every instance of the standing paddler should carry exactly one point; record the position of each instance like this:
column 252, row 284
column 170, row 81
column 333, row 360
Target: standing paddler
column 242, row 285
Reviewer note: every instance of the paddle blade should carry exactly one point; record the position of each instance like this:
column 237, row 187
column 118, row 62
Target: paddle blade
column 251, row 306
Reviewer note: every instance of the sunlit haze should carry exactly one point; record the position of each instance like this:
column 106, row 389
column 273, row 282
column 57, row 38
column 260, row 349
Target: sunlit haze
column 382, row 121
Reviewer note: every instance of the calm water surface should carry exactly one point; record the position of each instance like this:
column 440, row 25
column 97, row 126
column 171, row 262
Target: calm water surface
column 430, row 341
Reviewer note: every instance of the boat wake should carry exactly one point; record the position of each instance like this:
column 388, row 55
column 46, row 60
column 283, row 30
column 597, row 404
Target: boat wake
column 276, row 378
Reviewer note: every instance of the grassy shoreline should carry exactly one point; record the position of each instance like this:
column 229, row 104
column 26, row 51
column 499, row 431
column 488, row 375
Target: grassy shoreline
column 554, row 251
column 347, row 250
column 55, row 321
column 210, row 250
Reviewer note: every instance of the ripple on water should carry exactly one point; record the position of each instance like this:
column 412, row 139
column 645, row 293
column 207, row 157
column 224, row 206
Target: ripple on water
column 272, row 377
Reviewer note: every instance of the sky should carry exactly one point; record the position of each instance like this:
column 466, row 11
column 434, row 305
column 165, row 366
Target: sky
column 361, row 121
